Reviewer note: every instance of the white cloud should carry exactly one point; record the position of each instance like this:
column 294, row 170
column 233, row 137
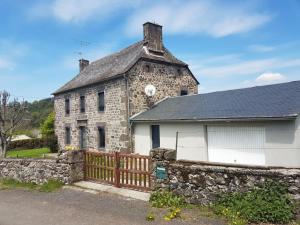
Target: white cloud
column 265, row 79
column 269, row 77
column 5, row 63
column 80, row 10
column 245, row 67
column 193, row 17
column 261, row 48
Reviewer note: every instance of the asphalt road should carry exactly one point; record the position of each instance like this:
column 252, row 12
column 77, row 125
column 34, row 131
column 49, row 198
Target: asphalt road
column 66, row 207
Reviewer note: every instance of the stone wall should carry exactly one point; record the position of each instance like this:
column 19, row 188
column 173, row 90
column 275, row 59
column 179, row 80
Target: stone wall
column 201, row 182
column 67, row 168
column 168, row 79
column 114, row 117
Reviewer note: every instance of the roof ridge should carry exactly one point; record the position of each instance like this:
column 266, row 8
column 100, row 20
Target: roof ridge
column 118, row 52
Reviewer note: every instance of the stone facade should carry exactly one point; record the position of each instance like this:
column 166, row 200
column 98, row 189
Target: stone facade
column 200, row 183
column 168, row 79
column 68, row 168
column 114, row 117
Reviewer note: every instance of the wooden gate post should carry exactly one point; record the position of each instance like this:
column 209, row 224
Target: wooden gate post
column 84, row 165
column 117, row 169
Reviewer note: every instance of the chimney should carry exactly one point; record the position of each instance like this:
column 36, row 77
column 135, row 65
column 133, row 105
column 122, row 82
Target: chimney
column 83, row 63
column 153, row 37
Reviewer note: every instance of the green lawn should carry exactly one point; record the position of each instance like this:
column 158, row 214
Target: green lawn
column 50, row 186
column 30, row 153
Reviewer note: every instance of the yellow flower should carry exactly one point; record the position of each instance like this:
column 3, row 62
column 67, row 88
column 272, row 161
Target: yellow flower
column 177, row 210
column 167, row 218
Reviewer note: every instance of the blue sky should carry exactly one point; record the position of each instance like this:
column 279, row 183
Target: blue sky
column 227, row 44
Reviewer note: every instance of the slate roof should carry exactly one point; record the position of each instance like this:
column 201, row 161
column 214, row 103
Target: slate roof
column 261, row 102
column 115, row 65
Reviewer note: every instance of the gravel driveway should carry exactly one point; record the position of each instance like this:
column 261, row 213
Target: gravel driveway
column 20, row 207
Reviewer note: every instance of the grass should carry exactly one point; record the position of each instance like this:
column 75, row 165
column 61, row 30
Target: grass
column 29, row 153
column 50, row 186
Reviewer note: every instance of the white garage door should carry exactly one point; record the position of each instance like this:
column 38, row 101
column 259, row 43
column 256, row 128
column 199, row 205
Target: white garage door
column 240, row 144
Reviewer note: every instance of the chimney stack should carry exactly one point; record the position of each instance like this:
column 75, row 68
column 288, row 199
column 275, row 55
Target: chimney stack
column 83, row 63
column 153, row 37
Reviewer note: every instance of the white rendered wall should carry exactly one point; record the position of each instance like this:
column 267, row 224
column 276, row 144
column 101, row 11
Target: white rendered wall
column 191, row 139
column 142, row 137
column 281, row 144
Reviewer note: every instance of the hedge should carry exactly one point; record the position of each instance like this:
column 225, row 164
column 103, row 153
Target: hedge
column 50, row 142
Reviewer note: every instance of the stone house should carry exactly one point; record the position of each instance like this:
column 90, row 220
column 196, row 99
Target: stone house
column 93, row 109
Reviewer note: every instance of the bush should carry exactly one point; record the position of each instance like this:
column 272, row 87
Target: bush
column 28, row 144
column 47, row 128
column 50, row 142
column 163, row 199
column 269, row 204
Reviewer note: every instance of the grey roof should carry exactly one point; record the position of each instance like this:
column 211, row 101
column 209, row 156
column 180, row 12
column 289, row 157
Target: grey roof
column 114, row 65
column 262, row 102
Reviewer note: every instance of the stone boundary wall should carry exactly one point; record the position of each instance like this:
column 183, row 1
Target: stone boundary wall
column 201, row 182
column 67, row 168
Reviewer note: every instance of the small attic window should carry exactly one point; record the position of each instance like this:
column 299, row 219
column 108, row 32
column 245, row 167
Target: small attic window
column 183, row 92
column 147, row 68
column 179, row 72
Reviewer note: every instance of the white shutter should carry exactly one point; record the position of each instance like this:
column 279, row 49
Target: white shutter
column 236, row 144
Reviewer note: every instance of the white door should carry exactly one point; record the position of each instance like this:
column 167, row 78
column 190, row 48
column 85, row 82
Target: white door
column 236, row 144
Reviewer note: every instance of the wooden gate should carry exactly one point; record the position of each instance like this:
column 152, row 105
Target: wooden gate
column 120, row 170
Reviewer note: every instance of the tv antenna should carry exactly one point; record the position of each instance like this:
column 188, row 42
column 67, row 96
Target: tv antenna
column 83, row 44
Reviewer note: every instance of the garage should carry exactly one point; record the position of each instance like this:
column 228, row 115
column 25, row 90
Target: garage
column 251, row 126
column 236, row 144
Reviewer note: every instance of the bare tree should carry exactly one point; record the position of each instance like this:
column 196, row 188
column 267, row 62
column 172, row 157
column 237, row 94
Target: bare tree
column 11, row 117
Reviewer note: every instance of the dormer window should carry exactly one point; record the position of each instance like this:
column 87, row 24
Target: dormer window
column 82, row 104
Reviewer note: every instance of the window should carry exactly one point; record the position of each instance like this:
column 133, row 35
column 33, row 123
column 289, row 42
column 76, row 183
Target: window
column 155, row 135
column 183, row 92
column 101, row 104
column 101, row 136
column 68, row 135
column 67, row 106
column 179, row 72
column 82, row 104
column 147, row 68
column 82, row 138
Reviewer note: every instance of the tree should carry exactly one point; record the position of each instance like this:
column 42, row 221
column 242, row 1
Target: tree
column 11, row 117
column 47, row 128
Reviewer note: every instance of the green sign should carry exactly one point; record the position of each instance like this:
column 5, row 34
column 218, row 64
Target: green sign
column 161, row 172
